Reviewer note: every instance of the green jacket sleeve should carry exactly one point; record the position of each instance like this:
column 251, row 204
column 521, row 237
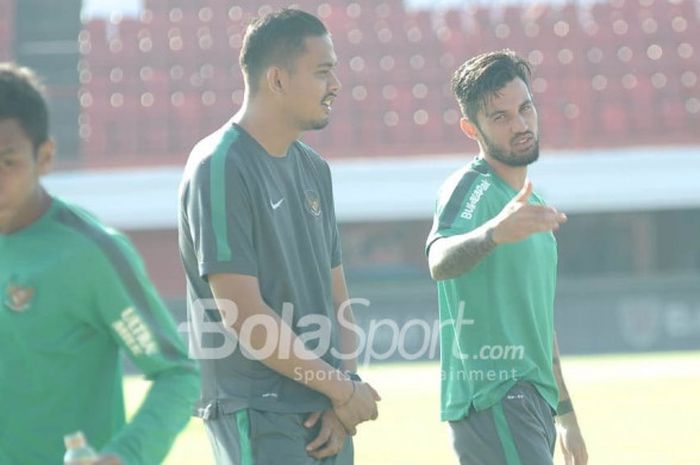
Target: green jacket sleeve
column 128, row 307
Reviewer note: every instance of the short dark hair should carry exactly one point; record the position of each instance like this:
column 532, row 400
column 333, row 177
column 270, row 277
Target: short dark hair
column 21, row 98
column 277, row 38
column 484, row 75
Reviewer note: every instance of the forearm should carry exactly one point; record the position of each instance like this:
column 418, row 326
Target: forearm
column 572, row 444
column 455, row 255
column 167, row 408
column 345, row 319
column 347, row 339
column 565, row 406
column 273, row 343
column 287, row 354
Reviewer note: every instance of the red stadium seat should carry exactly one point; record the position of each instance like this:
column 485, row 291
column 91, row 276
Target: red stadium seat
column 605, row 73
column 642, row 111
column 184, row 118
column 152, row 130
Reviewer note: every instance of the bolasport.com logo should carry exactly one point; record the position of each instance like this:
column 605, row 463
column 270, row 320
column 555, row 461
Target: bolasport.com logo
column 314, row 335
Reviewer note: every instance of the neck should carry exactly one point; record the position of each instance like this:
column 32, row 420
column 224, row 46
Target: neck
column 26, row 214
column 267, row 125
column 514, row 176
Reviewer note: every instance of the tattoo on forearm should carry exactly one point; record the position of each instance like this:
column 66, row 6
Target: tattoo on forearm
column 464, row 255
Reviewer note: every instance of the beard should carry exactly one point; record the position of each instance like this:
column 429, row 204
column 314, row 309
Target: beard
column 315, row 125
column 320, row 123
column 512, row 158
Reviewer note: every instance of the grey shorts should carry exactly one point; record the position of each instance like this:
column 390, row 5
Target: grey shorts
column 254, row 437
column 518, row 430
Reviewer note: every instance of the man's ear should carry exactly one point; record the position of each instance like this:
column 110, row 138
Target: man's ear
column 44, row 156
column 276, row 79
column 468, row 128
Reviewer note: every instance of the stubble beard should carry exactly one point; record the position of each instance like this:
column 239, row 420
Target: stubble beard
column 511, row 158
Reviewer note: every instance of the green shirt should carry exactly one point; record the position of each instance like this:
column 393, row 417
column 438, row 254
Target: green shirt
column 497, row 319
column 74, row 295
column 246, row 212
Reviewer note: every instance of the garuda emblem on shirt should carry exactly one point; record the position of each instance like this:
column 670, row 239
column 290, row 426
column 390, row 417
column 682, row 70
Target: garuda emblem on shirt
column 17, row 297
column 312, row 202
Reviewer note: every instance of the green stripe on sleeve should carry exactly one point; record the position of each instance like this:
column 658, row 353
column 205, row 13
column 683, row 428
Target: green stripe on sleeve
column 217, row 180
column 243, row 425
column 504, row 434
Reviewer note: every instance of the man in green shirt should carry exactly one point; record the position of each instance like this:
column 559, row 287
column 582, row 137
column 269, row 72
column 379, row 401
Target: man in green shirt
column 74, row 295
column 494, row 257
column 258, row 233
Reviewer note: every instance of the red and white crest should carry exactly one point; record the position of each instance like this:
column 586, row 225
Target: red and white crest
column 18, row 298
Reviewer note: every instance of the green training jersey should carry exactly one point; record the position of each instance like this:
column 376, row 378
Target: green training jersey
column 497, row 319
column 243, row 211
column 74, row 296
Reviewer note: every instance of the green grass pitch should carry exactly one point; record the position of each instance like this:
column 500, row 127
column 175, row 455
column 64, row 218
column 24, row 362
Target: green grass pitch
column 634, row 410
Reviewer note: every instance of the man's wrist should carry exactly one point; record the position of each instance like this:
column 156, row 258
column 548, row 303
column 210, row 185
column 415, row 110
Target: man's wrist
column 342, row 388
column 348, row 399
column 567, row 422
column 490, row 236
column 565, row 407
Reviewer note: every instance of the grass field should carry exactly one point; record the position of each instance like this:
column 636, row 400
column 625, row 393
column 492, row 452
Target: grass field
column 634, row 410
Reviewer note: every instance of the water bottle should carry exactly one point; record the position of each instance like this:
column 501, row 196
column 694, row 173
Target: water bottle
column 78, row 451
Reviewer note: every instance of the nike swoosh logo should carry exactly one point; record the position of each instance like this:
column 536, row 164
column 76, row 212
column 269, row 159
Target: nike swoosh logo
column 275, row 206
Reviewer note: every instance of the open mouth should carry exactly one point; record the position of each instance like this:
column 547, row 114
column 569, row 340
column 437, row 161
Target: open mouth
column 328, row 102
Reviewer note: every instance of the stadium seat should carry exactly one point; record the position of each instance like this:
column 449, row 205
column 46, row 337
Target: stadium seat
column 152, row 130
column 604, row 72
column 641, row 107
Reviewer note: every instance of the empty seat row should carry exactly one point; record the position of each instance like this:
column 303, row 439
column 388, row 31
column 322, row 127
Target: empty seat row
column 609, row 73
